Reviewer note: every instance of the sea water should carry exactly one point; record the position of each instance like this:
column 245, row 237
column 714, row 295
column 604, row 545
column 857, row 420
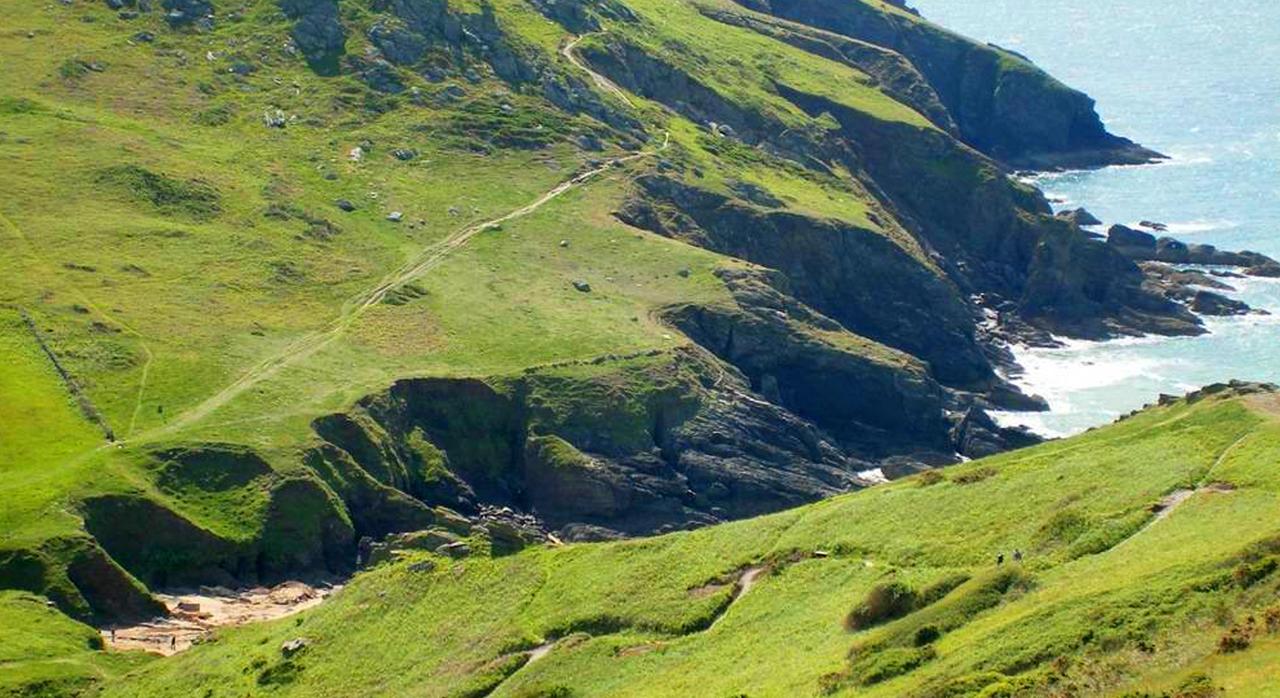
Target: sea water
column 1200, row 82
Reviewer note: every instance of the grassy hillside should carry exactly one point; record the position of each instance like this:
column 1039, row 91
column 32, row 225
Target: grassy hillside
column 283, row 276
column 892, row 591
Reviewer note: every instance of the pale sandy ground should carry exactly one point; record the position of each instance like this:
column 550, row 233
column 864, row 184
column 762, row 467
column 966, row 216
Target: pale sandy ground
column 194, row 614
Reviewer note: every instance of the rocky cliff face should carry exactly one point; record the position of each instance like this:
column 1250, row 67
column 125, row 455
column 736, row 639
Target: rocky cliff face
column 1001, row 103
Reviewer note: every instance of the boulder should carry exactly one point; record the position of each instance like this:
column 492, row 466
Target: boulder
column 1269, row 269
column 582, row 286
column 395, row 216
column 1152, row 225
column 317, row 31
column 1210, row 303
column 1078, row 217
column 399, row 45
column 1126, row 237
column 181, row 13
column 345, row 205
column 455, row 550
column 1172, row 251
column 274, row 119
column 589, row 141
column 294, row 646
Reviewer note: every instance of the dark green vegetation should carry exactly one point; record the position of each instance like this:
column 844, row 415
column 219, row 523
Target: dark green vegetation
column 280, row 277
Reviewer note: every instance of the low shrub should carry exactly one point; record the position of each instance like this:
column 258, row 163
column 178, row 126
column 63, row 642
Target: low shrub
column 1238, row 637
column 885, row 602
column 174, row 196
column 1271, row 619
column 930, row 477
column 970, row 477
column 1247, row 574
column 1196, row 686
column 926, row 634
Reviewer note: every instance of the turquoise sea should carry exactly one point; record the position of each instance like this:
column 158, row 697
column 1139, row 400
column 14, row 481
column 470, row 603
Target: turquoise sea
column 1199, row 81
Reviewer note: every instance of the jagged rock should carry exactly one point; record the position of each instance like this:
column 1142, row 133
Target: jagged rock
column 1128, row 238
column 454, row 550
column 1002, row 104
column 1210, row 303
column 404, row 153
column 755, row 193
column 977, row 435
column 830, row 268
column 275, row 119
column 379, row 75
column 1078, row 217
column 185, row 12
column 395, row 216
column 1152, row 225
column 399, row 45
column 144, row 37
column 452, row 93
column 1138, row 245
column 1269, row 269
column 294, row 646
column 1172, row 251
column 874, row 402
column 589, row 141
column 582, row 286
column 317, row 31
column 430, row 540
column 345, row 205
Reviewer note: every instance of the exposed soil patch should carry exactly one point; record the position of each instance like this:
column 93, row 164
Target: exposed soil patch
column 195, row 614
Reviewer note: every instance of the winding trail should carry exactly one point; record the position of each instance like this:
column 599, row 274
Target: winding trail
column 746, row 579
column 601, row 81
column 1177, row 498
column 428, row 258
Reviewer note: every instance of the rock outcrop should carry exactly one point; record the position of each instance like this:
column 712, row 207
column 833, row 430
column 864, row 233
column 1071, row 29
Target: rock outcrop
column 317, row 32
column 1001, row 103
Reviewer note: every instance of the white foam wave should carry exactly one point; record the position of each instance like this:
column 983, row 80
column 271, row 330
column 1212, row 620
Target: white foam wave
column 1200, row 226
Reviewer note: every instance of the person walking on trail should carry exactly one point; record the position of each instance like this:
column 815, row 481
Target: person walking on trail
column 999, row 559
column 173, row 642
column 113, row 634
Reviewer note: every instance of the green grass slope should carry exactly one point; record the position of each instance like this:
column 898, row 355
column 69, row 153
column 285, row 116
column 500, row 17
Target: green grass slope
column 202, row 261
column 187, row 268
column 888, row 592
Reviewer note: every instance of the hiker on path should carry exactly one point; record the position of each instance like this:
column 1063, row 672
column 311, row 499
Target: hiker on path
column 173, row 642
column 999, row 559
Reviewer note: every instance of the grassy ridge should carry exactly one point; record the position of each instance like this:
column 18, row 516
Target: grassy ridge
column 639, row 618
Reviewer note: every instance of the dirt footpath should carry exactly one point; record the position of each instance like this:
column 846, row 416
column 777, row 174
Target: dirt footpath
column 194, row 614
